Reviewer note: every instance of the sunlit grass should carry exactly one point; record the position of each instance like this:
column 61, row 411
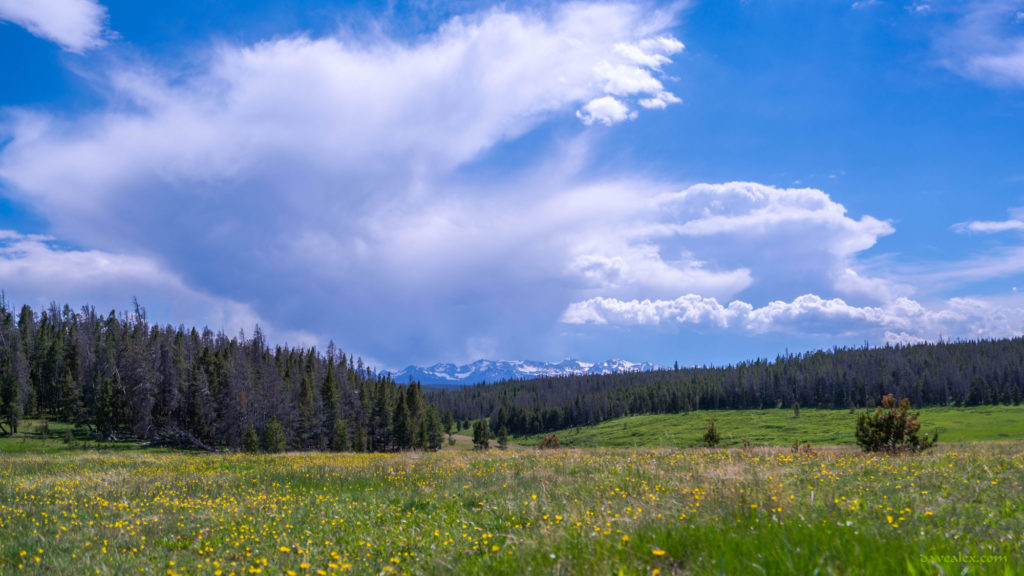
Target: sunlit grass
column 779, row 427
column 568, row 511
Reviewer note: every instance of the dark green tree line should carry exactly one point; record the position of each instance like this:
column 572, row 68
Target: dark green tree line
column 941, row 374
column 123, row 377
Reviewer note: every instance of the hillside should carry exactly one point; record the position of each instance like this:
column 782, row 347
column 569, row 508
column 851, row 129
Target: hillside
column 971, row 373
column 778, row 427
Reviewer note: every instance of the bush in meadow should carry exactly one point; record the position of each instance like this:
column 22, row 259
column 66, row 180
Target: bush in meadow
column 893, row 428
column 549, row 442
column 711, row 435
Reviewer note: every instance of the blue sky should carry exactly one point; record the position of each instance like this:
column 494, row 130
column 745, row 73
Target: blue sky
column 435, row 181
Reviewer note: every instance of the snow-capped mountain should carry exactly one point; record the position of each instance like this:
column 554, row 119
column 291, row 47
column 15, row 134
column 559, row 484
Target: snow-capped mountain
column 447, row 374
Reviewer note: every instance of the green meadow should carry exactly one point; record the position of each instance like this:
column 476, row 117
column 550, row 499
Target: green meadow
column 952, row 510
column 71, row 505
column 780, row 427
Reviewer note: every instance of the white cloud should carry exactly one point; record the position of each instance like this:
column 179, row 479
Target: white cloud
column 377, row 109
column 903, row 320
column 659, row 102
column 605, row 110
column 791, row 239
column 987, row 44
column 862, row 4
column 318, row 180
column 989, row 227
column 321, row 183
column 651, row 52
column 904, row 339
column 529, row 247
column 76, row 25
column 1014, row 223
column 938, row 277
column 34, row 270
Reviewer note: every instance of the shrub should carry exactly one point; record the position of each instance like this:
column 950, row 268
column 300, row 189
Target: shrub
column 549, row 442
column 892, row 428
column 799, row 448
column 711, row 435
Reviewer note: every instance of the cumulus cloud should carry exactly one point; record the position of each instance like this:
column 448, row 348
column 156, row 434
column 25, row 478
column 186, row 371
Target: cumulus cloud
column 76, row 25
column 790, row 239
column 318, row 179
column 334, row 184
column 987, row 43
column 901, row 321
column 35, row 270
column 605, row 110
column 343, row 111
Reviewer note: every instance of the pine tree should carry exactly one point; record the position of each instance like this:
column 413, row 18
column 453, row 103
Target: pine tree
column 339, row 440
column 447, row 423
column 403, row 432
column 308, row 425
column 199, row 415
column 503, row 437
column 360, row 443
column 251, row 441
column 69, row 403
column 383, row 417
column 481, row 435
column 10, row 407
column 434, row 435
column 273, row 437
column 329, row 398
column 422, row 439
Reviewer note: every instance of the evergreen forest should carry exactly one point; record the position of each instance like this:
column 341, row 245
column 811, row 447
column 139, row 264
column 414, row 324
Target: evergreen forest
column 122, row 377
column 966, row 373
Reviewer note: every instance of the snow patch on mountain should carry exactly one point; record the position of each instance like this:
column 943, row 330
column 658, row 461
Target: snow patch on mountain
column 448, row 374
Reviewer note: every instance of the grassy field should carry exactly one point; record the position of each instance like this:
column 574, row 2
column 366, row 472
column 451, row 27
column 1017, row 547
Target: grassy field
column 594, row 511
column 780, row 427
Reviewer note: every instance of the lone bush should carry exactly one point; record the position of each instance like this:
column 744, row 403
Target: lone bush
column 549, row 442
column 892, row 428
column 711, row 435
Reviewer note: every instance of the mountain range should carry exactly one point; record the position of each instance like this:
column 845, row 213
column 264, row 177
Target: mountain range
column 448, row 374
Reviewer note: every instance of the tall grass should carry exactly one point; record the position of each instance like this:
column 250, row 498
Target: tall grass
column 595, row 511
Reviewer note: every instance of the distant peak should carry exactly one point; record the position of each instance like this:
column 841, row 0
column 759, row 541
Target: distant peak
column 484, row 370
